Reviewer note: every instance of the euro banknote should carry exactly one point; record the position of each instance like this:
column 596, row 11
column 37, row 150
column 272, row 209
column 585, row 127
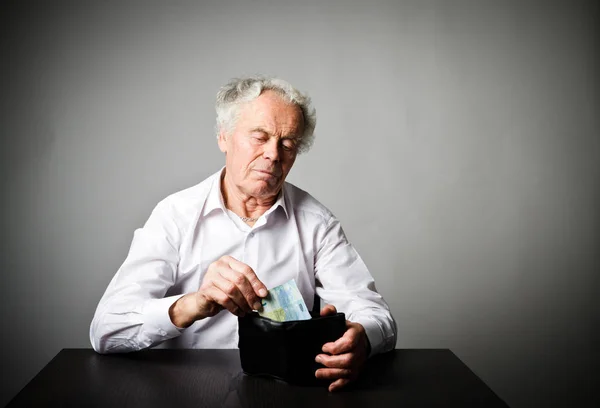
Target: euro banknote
column 284, row 303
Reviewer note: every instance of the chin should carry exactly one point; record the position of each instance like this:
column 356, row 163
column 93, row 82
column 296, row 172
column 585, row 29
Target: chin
column 264, row 190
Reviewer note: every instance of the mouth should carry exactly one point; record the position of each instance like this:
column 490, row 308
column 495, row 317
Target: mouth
column 267, row 173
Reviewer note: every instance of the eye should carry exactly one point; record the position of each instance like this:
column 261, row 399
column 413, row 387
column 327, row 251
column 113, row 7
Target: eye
column 288, row 144
column 259, row 138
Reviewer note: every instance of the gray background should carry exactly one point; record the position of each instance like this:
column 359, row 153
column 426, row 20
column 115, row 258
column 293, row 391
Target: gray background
column 456, row 140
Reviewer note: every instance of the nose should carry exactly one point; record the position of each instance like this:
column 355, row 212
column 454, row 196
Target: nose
column 271, row 150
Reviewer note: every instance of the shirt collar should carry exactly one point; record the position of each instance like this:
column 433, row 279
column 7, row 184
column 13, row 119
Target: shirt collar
column 281, row 201
column 214, row 200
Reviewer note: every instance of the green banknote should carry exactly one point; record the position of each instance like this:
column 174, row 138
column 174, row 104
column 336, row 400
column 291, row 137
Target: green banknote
column 284, row 303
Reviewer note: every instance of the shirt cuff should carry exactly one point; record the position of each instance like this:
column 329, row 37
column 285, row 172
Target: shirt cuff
column 157, row 320
column 374, row 333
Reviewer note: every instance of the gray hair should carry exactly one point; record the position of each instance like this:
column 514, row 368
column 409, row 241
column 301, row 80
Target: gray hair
column 241, row 90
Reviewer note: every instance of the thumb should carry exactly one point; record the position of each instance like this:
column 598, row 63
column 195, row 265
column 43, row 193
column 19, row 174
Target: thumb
column 328, row 310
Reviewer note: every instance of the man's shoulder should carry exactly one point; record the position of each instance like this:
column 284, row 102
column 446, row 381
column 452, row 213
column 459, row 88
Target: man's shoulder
column 303, row 202
column 195, row 192
column 190, row 199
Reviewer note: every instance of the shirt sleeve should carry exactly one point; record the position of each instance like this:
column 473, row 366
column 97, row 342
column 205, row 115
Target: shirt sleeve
column 133, row 314
column 345, row 282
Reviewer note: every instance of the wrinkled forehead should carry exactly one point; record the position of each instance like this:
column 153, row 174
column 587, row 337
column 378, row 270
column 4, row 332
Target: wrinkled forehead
column 273, row 113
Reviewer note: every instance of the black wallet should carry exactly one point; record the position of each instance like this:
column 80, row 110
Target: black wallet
column 286, row 350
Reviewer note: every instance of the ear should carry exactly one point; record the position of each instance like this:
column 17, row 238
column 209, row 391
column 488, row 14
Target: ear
column 222, row 140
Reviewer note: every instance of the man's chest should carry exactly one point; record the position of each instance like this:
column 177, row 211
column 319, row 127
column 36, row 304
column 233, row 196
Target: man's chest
column 277, row 252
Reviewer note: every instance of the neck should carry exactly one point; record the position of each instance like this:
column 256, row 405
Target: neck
column 242, row 204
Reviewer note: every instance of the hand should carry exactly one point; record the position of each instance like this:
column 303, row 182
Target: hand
column 346, row 356
column 228, row 284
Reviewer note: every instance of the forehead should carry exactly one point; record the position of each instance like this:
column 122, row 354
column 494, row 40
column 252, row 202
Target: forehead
column 270, row 112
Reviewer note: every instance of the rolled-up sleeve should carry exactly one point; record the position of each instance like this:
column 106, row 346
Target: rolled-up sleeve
column 133, row 313
column 345, row 282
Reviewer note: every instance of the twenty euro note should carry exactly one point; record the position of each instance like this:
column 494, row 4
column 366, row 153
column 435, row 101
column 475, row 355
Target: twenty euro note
column 284, row 303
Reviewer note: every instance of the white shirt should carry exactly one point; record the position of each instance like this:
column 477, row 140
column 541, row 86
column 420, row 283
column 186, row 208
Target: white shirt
column 297, row 238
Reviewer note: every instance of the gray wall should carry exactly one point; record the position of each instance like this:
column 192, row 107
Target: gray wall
column 457, row 141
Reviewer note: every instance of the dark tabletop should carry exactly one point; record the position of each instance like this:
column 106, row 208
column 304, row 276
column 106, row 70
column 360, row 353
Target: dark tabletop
column 213, row 378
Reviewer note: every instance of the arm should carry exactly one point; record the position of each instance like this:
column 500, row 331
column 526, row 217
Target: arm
column 133, row 313
column 347, row 284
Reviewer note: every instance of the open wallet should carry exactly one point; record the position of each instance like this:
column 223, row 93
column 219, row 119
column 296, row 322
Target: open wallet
column 287, row 350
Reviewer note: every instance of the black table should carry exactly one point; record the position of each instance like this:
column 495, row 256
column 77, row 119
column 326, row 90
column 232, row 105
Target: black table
column 213, row 378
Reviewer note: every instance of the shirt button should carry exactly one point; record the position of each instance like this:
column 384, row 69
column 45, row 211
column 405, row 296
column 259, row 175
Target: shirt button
column 251, row 234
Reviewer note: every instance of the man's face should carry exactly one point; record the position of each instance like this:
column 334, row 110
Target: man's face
column 261, row 149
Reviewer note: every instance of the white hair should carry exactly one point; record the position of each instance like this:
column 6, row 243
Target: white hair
column 241, row 90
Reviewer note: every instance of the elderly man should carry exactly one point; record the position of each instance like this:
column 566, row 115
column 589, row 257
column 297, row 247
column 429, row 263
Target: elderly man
column 208, row 253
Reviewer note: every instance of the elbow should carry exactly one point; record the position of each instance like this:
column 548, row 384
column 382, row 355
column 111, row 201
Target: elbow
column 391, row 344
column 105, row 345
column 99, row 346
column 103, row 341
column 97, row 339
column 99, row 349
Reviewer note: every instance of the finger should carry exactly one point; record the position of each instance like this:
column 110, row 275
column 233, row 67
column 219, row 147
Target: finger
column 339, row 384
column 344, row 344
column 346, row 360
column 217, row 296
column 241, row 289
column 259, row 288
column 231, row 290
column 333, row 373
column 328, row 310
